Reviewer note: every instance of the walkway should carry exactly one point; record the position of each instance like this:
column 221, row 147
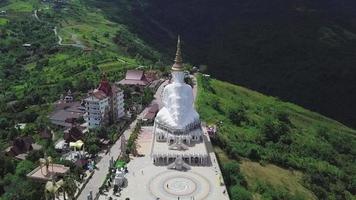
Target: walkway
column 147, row 181
column 103, row 165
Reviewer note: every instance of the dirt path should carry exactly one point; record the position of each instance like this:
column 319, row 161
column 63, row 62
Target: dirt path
column 77, row 43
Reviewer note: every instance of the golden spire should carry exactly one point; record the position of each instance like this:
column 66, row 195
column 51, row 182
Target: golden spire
column 178, row 61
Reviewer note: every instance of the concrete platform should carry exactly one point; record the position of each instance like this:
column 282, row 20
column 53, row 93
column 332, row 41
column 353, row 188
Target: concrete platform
column 147, row 181
column 161, row 148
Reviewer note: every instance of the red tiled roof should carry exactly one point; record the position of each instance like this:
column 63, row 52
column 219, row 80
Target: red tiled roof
column 152, row 111
column 135, row 75
column 105, row 87
column 153, row 108
column 132, row 82
column 115, row 89
column 150, row 115
column 99, row 94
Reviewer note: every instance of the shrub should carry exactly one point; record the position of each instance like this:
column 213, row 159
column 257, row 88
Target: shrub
column 239, row 193
column 254, row 155
column 237, row 115
column 230, row 171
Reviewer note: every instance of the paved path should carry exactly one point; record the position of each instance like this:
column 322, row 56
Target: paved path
column 195, row 88
column 103, row 165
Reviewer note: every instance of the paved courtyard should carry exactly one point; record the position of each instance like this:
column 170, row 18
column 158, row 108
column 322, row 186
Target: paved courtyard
column 147, row 181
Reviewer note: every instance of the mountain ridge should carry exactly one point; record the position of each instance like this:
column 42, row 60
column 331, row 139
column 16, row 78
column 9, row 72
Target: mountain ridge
column 300, row 51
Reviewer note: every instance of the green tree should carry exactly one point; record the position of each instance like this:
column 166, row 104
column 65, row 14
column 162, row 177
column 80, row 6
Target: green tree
column 230, row 170
column 3, row 123
column 237, row 192
column 24, row 167
column 238, row 115
column 272, row 129
column 69, row 187
column 6, row 165
column 35, row 155
column 147, row 96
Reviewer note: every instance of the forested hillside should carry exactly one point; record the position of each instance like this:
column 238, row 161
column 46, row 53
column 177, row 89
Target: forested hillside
column 46, row 49
column 303, row 51
column 283, row 151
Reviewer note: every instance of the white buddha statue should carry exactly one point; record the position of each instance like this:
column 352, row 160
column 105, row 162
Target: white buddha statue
column 177, row 113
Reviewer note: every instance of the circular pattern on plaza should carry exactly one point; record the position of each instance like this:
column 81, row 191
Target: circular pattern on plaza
column 185, row 185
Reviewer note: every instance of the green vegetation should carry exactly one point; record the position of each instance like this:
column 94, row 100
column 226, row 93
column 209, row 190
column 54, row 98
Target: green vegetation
column 15, row 6
column 318, row 150
column 35, row 69
column 131, row 143
column 296, row 50
column 3, row 21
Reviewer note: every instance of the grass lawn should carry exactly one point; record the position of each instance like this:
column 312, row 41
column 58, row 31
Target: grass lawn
column 88, row 27
column 3, row 21
column 271, row 174
column 20, row 6
column 113, row 66
column 276, row 176
column 309, row 144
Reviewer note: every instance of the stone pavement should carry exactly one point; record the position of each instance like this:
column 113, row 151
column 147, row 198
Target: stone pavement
column 149, row 182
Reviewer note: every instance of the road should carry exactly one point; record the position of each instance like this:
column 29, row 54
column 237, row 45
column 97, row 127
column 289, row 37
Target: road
column 103, row 165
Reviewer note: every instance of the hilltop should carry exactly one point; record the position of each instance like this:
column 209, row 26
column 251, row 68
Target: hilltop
column 302, row 51
column 284, row 151
column 268, row 148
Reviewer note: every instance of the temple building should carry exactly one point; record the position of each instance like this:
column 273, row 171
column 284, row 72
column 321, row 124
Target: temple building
column 104, row 104
column 177, row 127
column 134, row 78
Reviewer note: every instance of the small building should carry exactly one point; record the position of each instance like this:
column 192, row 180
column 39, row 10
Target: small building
column 61, row 146
column 26, row 45
column 134, row 78
column 21, row 146
column 67, row 111
column 69, row 97
column 65, row 114
column 151, row 113
column 104, row 104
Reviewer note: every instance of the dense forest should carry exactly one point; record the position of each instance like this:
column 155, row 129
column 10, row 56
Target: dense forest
column 301, row 51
